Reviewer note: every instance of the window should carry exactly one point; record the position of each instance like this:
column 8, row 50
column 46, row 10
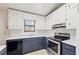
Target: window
column 29, row 25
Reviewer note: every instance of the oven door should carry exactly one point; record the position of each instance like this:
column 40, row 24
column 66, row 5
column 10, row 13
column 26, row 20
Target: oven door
column 54, row 46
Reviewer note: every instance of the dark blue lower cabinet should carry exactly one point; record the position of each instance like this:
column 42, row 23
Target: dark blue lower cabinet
column 33, row 44
column 45, row 45
column 14, row 47
column 67, row 49
column 26, row 46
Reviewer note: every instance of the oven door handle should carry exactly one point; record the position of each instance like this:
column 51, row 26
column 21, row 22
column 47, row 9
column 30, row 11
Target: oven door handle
column 54, row 41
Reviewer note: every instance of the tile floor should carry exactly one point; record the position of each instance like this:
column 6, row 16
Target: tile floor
column 40, row 52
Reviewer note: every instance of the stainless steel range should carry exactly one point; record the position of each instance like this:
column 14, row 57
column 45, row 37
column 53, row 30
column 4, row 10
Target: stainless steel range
column 54, row 43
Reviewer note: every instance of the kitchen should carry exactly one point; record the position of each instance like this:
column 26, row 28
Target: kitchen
column 51, row 28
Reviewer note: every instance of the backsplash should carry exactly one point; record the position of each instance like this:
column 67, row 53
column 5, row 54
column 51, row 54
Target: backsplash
column 63, row 30
column 44, row 32
column 38, row 32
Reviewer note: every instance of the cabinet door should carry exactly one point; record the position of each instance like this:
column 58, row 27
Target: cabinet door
column 49, row 22
column 38, row 43
column 33, row 44
column 69, row 6
column 15, row 19
column 67, row 52
column 11, row 19
column 62, row 14
column 44, row 40
column 27, row 46
column 53, row 19
column 68, row 49
column 72, row 17
column 59, row 15
column 56, row 19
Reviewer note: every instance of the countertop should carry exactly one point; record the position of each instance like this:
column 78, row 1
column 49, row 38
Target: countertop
column 19, row 37
column 2, row 47
column 70, row 41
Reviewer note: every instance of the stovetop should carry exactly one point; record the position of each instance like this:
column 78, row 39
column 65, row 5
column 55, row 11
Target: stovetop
column 60, row 36
column 59, row 40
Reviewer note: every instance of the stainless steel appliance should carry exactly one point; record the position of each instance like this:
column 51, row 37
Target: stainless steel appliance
column 61, row 25
column 54, row 43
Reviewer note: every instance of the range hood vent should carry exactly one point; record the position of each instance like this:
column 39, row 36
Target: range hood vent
column 61, row 25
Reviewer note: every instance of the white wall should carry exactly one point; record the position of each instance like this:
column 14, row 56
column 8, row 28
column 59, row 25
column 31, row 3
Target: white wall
column 5, row 33
column 40, row 21
column 77, row 37
column 3, row 24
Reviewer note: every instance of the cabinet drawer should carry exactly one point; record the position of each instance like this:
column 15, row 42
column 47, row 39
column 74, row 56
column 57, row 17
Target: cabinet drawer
column 69, row 47
column 71, row 5
column 67, row 52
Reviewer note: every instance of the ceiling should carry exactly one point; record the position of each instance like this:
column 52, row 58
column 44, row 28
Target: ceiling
column 35, row 8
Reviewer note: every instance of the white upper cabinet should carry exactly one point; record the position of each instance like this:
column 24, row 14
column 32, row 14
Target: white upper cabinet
column 11, row 19
column 53, row 19
column 62, row 14
column 14, row 19
column 56, row 17
column 69, row 6
column 49, row 22
column 67, row 13
column 59, row 15
column 72, row 17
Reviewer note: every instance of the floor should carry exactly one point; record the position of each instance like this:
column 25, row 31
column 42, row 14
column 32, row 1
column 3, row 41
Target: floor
column 40, row 52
